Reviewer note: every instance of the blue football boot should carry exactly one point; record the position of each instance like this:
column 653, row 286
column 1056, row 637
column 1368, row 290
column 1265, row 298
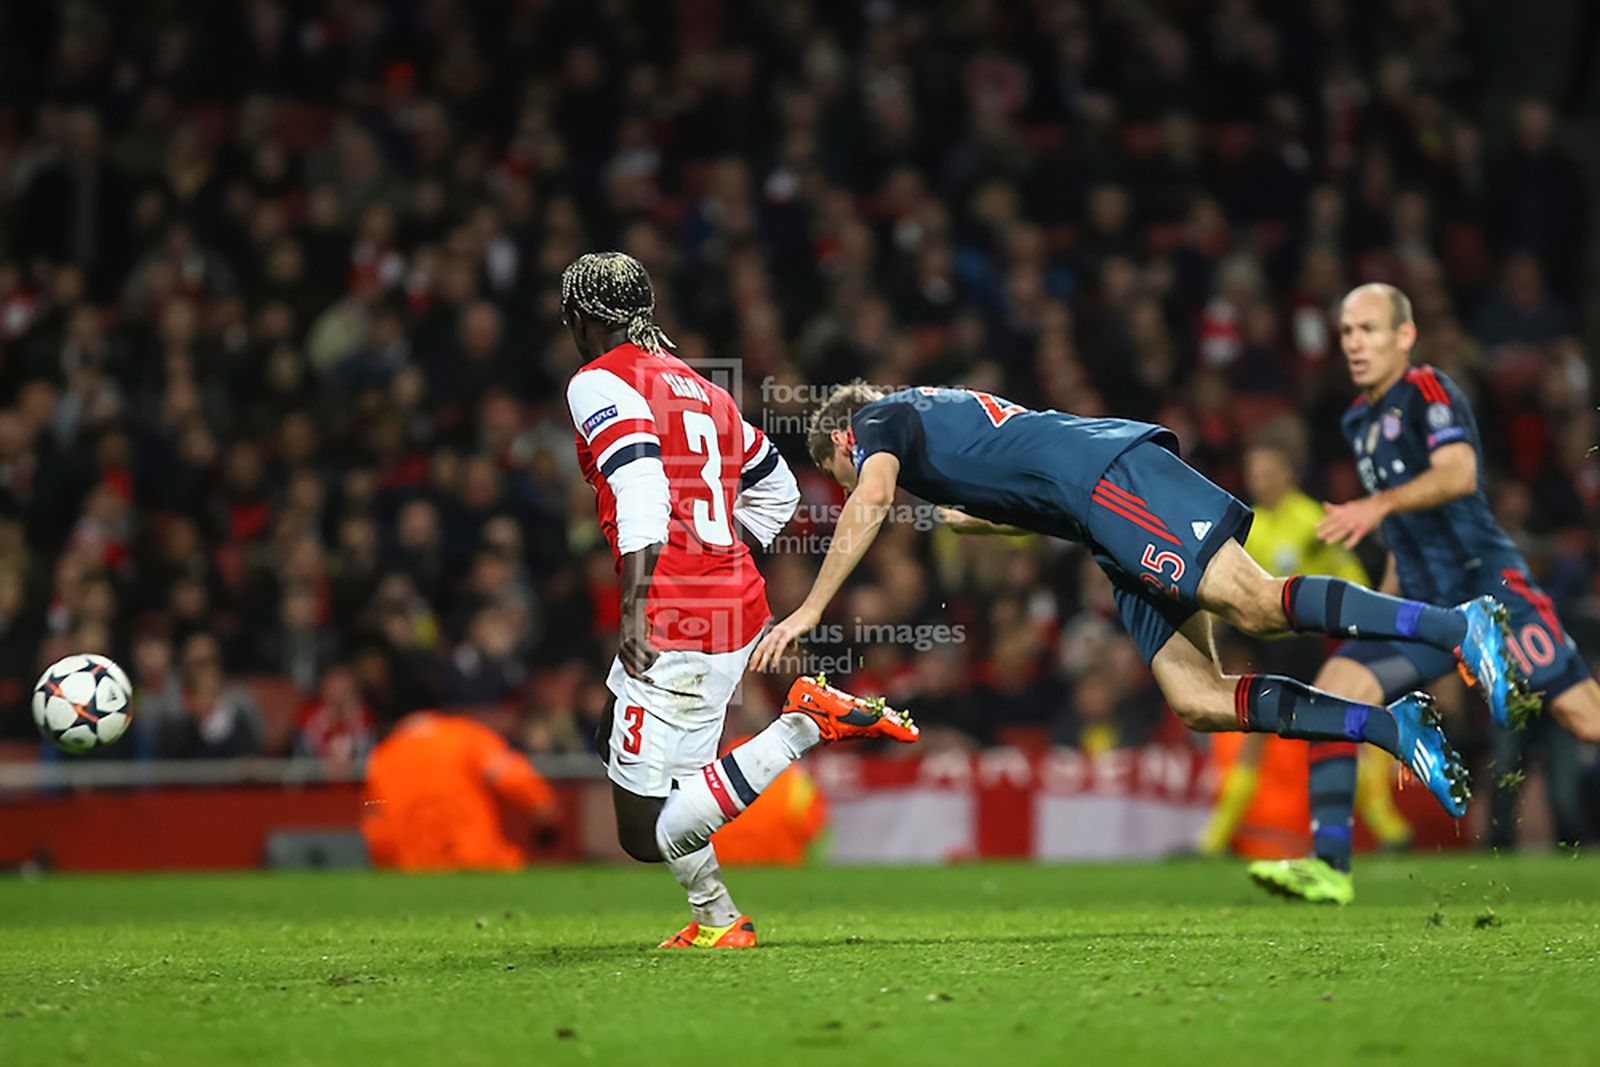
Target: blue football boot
column 1425, row 751
column 1488, row 662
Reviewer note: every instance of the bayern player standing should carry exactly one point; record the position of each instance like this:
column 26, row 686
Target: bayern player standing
column 1420, row 457
column 674, row 466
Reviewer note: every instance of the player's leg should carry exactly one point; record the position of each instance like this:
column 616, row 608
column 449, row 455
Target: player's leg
column 1207, row 700
column 1508, row 750
column 1375, row 774
column 636, row 814
column 711, row 906
column 1369, row 672
column 1372, row 672
column 1556, row 669
column 1324, row 876
column 715, row 921
column 1238, row 590
column 1550, row 659
column 651, row 738
column 1578, row 709
column 1563, row 774
column 1161, row 581
column 813, row 714
column 644, row 749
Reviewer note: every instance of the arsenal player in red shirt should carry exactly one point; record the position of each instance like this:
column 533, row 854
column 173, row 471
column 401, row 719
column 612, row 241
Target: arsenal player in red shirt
column 674, row 467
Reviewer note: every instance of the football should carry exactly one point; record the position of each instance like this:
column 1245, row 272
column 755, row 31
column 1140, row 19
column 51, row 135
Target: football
column 82, row 702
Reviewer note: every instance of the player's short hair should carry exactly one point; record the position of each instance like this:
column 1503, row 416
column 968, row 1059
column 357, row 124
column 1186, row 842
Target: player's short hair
column 835, row 413
column 1399, row 303
column 614, row 289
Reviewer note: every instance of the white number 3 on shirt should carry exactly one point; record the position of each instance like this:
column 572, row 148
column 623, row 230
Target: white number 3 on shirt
column 710, row 519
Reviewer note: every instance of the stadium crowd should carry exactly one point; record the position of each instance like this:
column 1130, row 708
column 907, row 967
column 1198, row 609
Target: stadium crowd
column 281, row 368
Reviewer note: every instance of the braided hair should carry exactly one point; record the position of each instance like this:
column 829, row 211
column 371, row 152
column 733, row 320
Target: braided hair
column 613, row 288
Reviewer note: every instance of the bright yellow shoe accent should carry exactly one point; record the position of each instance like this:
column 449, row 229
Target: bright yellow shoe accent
column 1309, row 879
column 741, row 933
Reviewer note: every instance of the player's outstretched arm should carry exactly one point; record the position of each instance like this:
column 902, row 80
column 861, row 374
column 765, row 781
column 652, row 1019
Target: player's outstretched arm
column 962, row 523
column 1452, row 474
column 857, row 528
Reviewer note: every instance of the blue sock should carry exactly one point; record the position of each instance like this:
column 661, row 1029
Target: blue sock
column 1333, row 795
column 1344, row 609
column 1273, row 704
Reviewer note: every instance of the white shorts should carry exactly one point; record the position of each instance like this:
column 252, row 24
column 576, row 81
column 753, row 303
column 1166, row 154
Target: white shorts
column 670, row 726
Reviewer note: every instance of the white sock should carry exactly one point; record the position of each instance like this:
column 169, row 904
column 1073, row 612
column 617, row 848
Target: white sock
column 704, row 801
column 701, row 878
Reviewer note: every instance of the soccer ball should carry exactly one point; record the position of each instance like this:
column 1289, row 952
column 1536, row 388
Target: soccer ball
column 81, row 702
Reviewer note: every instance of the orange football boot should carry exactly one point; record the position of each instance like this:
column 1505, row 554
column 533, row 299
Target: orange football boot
column 843, row 717
column 741, row 933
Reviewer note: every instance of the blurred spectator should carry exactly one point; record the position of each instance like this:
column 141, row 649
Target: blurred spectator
column 299, row 647
column 336, row 727
column 220, row 719
column 158, row 702
column 483, row 669
column 1539, row 205
column 19, row 653
column 1521, row 311
column 74, row 208
column 1102, row 717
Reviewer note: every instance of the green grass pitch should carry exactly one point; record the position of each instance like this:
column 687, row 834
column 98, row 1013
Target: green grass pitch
column 1461, row 960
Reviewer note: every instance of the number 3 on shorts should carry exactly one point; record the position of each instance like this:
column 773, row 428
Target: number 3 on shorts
column 632, row 723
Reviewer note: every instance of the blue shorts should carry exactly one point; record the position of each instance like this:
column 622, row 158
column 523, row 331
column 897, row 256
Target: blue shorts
column 1544, row 650
column 1154, row 525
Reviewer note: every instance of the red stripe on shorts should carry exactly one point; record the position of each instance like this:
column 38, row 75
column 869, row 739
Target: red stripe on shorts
column 1540, row 601
column 1122, row 510
column 1124, row 494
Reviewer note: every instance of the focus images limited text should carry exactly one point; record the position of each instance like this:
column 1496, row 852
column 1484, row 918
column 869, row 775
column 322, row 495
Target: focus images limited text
column 923, row 638
column 794, row 402
column 837, row 648
column 810, row 532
